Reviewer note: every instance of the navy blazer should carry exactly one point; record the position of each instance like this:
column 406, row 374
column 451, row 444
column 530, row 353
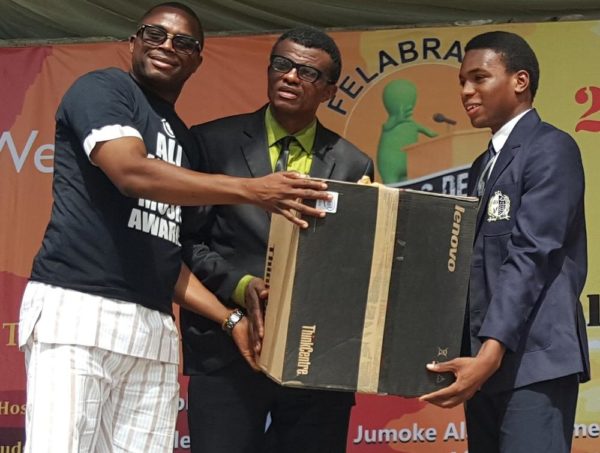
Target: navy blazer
column 221, row 244
column 529, row 260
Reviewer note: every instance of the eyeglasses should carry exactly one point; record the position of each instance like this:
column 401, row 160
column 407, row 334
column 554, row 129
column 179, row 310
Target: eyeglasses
column 285, row 65
column 155, row 36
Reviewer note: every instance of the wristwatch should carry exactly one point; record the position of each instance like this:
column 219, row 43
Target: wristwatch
column 229, row 323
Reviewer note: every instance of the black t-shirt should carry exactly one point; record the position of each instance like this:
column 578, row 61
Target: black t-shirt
column 99, row 241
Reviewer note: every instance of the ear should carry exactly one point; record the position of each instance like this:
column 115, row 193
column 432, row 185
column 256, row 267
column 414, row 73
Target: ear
column 199, row 60
column 521, row 81
column 329, row 92
column 131, row 42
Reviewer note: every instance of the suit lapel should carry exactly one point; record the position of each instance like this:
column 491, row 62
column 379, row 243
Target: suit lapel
column 323, row 161
column 254, row 145
column 522, row 131
column 255, row 149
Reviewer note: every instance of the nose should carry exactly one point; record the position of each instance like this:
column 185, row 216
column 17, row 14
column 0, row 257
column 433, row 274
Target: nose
column 292, row 76
column 168, row 44
column 467, row 89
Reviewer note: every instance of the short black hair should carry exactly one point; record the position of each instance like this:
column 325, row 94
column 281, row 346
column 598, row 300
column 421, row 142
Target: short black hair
column 313, row 38
column 186, row 9
column 516, row 54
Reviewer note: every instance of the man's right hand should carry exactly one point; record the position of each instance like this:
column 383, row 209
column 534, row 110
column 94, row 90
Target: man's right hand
column 470, row 372
column 282, row 192
column 241, row 338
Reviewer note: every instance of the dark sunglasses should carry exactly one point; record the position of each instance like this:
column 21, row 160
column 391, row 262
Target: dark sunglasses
column 155, row 36
column 285, row 65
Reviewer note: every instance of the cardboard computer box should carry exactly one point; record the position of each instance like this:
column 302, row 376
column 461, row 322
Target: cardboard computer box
column 365, row 297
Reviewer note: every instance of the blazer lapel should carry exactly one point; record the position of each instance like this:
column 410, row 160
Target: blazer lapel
column 517, row 137
column 323, row 161
column 254, row 145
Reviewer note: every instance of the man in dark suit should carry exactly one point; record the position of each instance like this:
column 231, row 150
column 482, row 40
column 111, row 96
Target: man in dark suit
column 228, row 400
column 525, row 326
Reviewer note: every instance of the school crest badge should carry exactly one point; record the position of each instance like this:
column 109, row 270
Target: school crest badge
column 498, row 207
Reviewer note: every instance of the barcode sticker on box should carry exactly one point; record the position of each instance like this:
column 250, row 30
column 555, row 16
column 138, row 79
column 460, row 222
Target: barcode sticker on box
column 329, row 206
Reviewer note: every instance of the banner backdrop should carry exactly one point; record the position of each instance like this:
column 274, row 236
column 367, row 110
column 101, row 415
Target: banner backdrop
column 406, row 78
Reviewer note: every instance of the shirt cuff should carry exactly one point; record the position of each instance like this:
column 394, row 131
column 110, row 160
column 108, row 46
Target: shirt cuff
column 239, row 293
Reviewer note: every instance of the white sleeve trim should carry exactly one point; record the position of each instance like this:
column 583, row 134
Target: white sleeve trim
column 107, row 133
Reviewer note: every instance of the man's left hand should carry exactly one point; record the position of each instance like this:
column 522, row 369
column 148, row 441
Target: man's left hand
column 255, row 297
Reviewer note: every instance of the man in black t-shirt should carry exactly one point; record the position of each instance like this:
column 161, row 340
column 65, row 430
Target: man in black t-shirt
column 96, row 322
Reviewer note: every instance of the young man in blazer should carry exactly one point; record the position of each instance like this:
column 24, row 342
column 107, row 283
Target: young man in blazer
column 525, row 331
column 228, row 400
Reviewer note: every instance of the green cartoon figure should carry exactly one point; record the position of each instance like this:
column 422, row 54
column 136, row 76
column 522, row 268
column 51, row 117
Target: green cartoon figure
column 400, row 130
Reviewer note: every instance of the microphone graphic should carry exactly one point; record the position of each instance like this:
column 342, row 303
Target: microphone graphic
column 441, row 118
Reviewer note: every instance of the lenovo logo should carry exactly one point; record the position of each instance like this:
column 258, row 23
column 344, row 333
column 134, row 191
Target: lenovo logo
column 453, row 251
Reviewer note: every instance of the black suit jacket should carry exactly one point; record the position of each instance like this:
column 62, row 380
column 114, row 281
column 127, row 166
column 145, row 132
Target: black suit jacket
column 529, row 259
column 221, row 244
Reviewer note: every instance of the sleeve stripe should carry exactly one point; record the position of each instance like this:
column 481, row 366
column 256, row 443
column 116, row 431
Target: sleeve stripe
column 107, row 133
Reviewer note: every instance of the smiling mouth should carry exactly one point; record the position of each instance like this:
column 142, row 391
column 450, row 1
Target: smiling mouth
column 472, row 108
column 162, row 62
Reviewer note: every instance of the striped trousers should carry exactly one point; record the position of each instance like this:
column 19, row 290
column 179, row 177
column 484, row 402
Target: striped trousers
column 87, row 399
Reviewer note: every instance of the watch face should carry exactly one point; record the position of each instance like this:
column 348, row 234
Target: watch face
column 233, row 319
